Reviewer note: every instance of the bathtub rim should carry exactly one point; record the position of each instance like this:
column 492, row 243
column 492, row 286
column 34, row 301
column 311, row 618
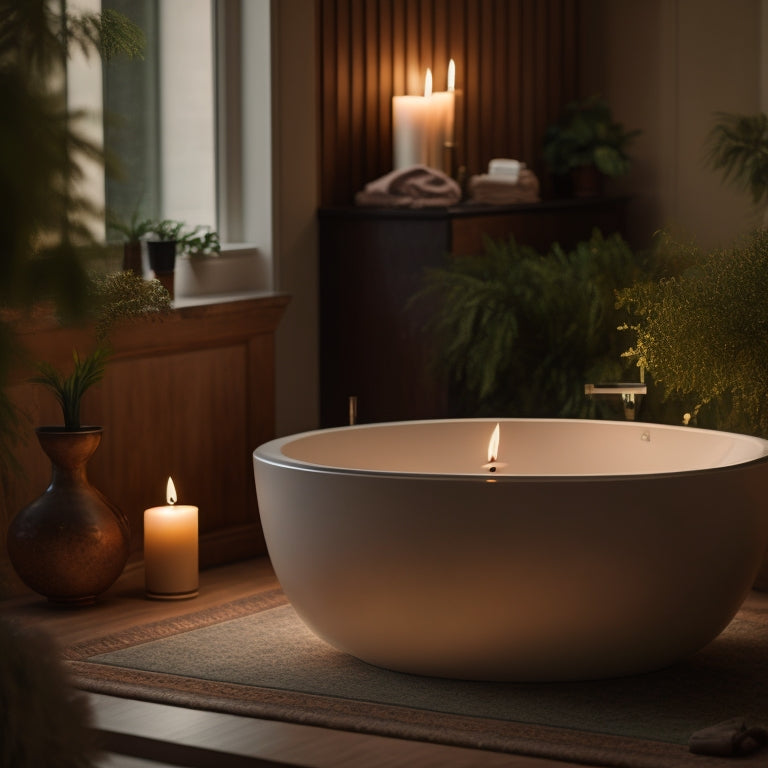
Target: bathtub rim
column 270, row 453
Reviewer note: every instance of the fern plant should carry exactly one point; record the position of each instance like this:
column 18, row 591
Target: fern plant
column 737, row 146
column 518, row 333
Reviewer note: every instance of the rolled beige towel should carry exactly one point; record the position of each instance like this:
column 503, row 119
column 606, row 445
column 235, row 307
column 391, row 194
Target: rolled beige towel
column 417, row 186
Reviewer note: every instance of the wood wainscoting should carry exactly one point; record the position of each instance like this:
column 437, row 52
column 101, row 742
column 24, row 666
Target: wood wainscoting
column 189, row 395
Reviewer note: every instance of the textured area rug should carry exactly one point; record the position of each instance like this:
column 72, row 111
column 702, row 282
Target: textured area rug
column 255, row 657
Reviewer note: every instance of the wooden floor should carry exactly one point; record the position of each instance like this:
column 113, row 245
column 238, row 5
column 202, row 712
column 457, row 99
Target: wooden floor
column 138, row 734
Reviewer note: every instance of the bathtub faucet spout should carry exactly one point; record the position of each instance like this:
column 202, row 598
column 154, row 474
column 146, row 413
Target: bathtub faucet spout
column 630, row 395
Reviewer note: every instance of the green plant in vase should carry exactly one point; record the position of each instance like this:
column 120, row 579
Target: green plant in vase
column 69, row 390
column 72, row 523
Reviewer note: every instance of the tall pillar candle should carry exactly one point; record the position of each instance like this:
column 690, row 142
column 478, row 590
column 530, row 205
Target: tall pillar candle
column 411, row 127
column 442, row 117
column 171, row 549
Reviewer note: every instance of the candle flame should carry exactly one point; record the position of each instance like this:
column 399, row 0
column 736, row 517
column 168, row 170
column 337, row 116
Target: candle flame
column 170, row 492
column 451, row 75
column 493, row 445
column 428, row 83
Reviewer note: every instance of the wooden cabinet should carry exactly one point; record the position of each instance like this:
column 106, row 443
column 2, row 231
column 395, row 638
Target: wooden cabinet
column 372, row 262
column 189, row 395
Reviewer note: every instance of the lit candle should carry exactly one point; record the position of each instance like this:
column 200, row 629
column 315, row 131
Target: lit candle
column 442, row 108
column 493, row 452
column 171, row 549
column 411, row 125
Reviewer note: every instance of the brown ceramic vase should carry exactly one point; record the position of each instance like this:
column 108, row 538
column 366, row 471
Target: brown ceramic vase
column 71, row 543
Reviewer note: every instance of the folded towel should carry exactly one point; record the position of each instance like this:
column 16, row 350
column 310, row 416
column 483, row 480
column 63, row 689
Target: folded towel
column 414, row 187
column 731, row 738
column 500, row 189
column 502, row 166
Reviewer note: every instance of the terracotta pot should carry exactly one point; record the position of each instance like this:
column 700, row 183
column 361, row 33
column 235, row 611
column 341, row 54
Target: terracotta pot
column 71, row 543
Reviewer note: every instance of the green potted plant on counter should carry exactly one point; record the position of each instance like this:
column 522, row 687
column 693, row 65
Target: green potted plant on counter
column 169, row 239
column 133, row 231
column 585, row 145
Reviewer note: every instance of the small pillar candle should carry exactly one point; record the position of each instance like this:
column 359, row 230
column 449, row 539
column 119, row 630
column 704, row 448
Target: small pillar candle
column 171, row 549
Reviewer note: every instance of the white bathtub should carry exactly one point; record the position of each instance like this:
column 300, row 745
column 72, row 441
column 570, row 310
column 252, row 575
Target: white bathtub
column 594, row 549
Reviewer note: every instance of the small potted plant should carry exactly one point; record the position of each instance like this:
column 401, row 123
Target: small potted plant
column 171, row 238
column 200, row 242
column 134, row 231
column 162, row 244
column 586, row 145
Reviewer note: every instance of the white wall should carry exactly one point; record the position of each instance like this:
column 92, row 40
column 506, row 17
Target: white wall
column 666, row 66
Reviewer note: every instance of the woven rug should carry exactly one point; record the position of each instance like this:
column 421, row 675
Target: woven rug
column 255, row 657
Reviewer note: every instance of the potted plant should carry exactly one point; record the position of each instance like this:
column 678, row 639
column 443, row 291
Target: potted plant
column 737, row 145
column 162, row 244
column 169, row 238
column 71, row 543
column 200, row 242
column 133, row 231
column 586, row 144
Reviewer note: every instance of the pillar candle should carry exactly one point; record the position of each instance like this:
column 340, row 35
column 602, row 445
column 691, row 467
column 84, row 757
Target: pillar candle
column 171, row 549
column 442, row 108
column 411, row 126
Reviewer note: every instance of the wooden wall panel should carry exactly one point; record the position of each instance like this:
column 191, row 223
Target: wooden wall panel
column 516, row 67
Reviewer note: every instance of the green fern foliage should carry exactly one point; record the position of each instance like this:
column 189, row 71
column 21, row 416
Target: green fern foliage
column 704, row 332
column 518, row 333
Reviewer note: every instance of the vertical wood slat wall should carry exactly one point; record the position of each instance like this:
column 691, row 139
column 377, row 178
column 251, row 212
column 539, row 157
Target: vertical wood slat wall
column 516, row 67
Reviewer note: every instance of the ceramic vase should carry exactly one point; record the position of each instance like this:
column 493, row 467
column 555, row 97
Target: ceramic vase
column 71, row 543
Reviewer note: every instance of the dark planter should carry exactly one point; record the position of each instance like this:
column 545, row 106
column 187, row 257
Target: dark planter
column 162, row 256
column 587, row 181
column 162, row 260
column 71, row 543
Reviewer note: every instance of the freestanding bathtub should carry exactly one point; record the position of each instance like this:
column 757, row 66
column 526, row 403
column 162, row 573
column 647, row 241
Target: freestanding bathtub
column 582, row 549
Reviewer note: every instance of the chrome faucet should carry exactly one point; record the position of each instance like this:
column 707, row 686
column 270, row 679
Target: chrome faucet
column 631, row 395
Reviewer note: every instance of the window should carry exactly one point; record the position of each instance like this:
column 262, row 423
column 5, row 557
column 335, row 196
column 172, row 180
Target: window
column 186, row 130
